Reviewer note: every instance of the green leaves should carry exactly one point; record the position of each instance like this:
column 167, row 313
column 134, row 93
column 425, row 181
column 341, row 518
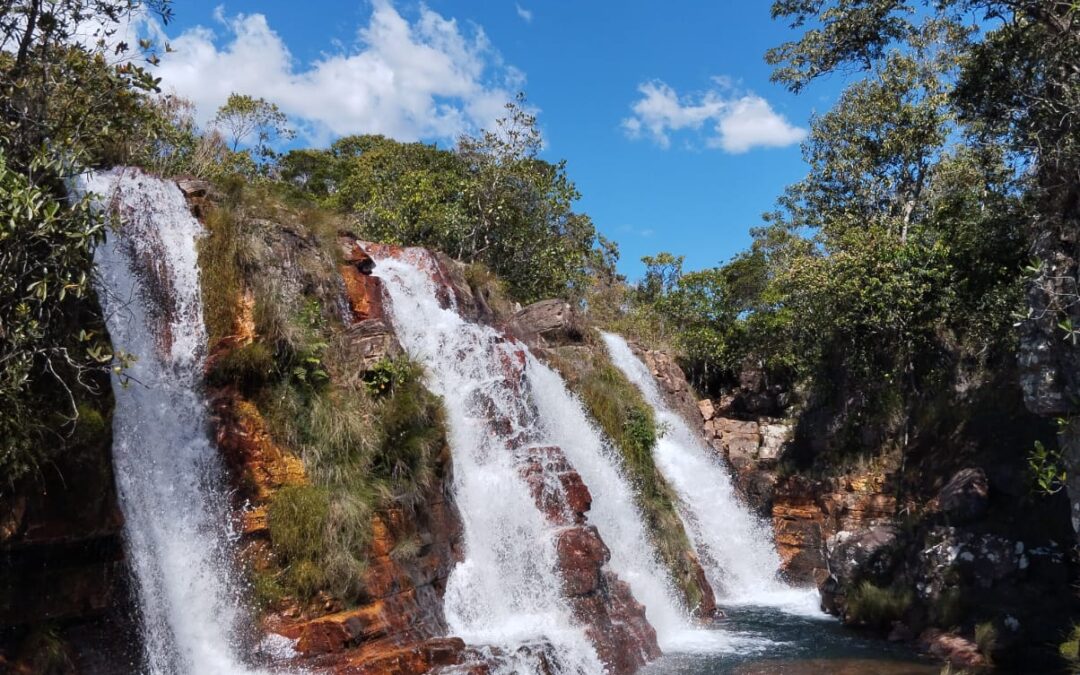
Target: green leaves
column 45, row 266
column 493, row 201
column 1047, row 469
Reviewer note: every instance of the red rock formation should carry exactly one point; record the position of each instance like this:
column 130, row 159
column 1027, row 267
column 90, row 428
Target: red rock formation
column 363, row 291
column 614, row 621
column 806, row 513
column 398, row 625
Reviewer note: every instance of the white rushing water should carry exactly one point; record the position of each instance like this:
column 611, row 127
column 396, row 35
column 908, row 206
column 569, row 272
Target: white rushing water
column 507, row 591
column 504, row 531
column 735, row 548
column 171, row 483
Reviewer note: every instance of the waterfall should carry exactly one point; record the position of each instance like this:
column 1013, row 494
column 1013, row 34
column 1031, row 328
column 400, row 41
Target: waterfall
column 507, row 591
column 170, row 481
column 735, row 548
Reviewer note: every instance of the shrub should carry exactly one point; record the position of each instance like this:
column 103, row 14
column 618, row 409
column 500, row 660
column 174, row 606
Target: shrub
column 875, row 606
column 384, row 376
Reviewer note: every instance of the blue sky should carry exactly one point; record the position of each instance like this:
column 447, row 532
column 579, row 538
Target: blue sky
column 709, row 146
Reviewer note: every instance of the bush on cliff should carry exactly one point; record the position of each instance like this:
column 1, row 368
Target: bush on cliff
column 362, row 455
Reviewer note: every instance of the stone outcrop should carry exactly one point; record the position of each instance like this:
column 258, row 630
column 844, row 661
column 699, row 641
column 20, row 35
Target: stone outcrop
column 1049, row 359
column 671, row 380
column 965, row 497
column 808, row 513
column 545, row 322
column 752, row 447
column 614, row 620
column 368, row 336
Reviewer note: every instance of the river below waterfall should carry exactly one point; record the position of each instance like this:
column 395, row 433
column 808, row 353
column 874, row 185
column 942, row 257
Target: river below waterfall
column 784, row 643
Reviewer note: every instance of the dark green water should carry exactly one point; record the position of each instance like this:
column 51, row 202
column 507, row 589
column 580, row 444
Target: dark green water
column 767, row 641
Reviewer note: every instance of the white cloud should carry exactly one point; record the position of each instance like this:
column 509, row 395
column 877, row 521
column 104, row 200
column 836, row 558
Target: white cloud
column 736, row 121
column 422, row 79
column 525, row 14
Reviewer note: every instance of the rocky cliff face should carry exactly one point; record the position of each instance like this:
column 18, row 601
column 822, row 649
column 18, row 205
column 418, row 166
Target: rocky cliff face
column 396, row 623
column 62, row 572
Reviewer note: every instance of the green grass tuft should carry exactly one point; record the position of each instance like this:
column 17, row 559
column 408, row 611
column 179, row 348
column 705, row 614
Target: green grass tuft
column 222, row 253
column 1070, row 648
column 362, row 454
column 875, row 606
column 249, row 368
column 986, row 637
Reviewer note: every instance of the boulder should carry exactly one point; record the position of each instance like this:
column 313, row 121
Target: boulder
column 564, row 500
column 739, row 440
column 864, row 554
column 672, row 383
column 582, row 554
column 966, row 496
column 708, row 410
column 774, row 437
column 547, row 320
column 613, row 619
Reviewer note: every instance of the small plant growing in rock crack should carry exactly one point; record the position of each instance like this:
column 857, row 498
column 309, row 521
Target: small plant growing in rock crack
column 308, row 368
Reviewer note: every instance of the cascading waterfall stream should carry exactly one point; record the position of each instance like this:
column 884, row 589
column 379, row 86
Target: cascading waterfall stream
column 496, row 595
column 507, row 591
column 171, row 484
column 616, row 516
column 735, row 548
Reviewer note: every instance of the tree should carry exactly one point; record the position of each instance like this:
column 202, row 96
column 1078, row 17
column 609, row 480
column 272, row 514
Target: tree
column 253, row 121
column 65, row 103
column 58, row 84
column 1016, row 86
column 492, row 201
column 521, row 210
